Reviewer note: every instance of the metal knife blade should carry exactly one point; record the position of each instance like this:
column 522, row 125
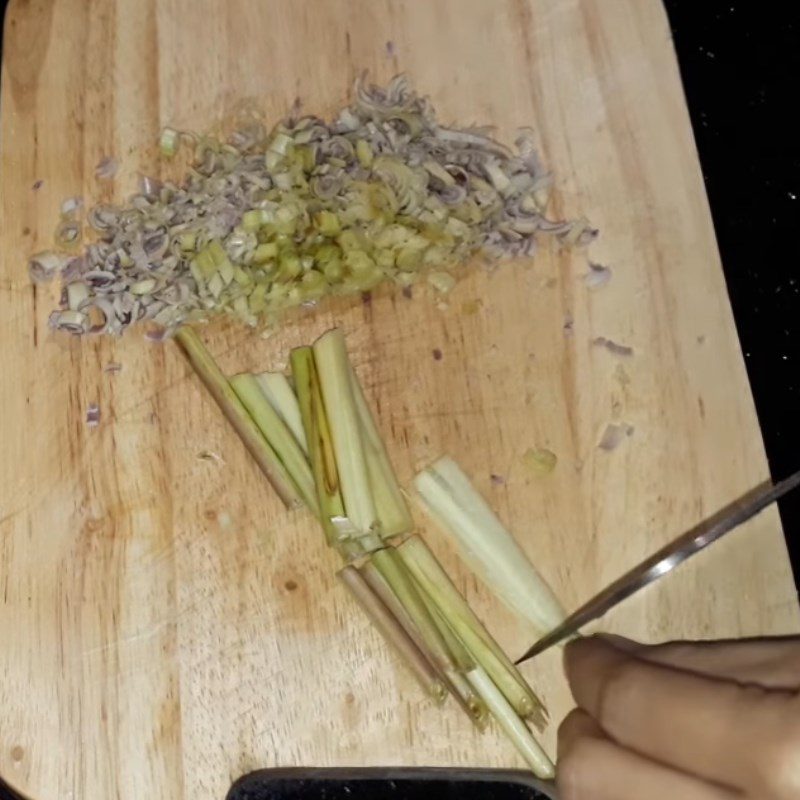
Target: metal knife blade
column 666, row 559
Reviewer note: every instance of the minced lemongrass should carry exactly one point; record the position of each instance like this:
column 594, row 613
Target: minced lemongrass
column 168, row 142
column 282, row 398
column 486, row 545
column 279, row 436
column 511, row 724
column 384, row 192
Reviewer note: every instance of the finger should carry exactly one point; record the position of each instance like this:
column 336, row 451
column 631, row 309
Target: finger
column 577, row 725
column 772, row 663
column 592, row 767
column 718, row 730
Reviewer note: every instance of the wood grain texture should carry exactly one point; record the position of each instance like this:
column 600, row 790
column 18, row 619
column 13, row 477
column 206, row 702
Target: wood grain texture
column 151, row 650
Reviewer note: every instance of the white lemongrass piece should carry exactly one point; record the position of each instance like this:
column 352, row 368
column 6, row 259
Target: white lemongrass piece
column 508, row 720
column 486, row 545
column 333, row 369
column 282, row 398
column 278, row 435
column 390, row 505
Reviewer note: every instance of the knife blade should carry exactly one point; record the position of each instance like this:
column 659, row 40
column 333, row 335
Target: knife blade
column 666, row 559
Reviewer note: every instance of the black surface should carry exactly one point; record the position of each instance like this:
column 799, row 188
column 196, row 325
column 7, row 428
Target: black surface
column 740, row 63
column 6, row 792
column 389, row 784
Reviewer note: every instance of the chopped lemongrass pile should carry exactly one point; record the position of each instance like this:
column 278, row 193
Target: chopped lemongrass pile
column 316, row 439
column 273, row 219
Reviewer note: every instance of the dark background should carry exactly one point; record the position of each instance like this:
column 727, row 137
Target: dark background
column 741, row 63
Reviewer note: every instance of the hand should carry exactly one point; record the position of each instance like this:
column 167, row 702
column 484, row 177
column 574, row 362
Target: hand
column 684, row 721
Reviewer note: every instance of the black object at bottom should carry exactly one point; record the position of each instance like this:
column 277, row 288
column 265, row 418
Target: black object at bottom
column 385, row 784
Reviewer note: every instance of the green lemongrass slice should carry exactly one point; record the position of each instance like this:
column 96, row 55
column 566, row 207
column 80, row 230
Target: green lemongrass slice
column 333, row 369
column 320, row 447
column 235, row 412
column 471, row 703
column 393, row 633
column 282, row 398
column 393, row 571
column 511, row 724
column 279, row 436
column 486, row 545
column 433, row 581
column 390, row 505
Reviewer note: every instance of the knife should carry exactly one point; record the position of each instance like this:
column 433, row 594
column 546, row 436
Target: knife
column 666, row 559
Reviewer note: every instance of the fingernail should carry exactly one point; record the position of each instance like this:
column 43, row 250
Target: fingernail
column 619, row 642
column 570, row 652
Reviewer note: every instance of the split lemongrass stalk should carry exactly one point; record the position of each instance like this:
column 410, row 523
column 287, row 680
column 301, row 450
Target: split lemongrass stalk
column 471, row 703
column 459, row 687
column 434, row 582
column 277, row 433
column 381, row 587
column 282, row 398
column 462, row 657
column 390, row 505
column 486, row 545
column 392, row 569
column 512, row 725
column 320, row 447
column 333, row 369
column 393, row 633
column 235, row 412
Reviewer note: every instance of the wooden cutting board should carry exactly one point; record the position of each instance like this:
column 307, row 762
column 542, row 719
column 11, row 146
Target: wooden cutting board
column 165, row 624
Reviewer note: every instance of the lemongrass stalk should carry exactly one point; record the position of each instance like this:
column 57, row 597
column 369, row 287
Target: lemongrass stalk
column 235, row 412
column 433, row 581
column 391, row 568
column 282, row 398
column 320, row 448
column 393, row 633
column 486, row 545
column 462, row 657
column 390, row 505
column 279, row 436
column 463, row 693
column 472, row 705
column 511, row 724
column 333, row 369
column 381, row 587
